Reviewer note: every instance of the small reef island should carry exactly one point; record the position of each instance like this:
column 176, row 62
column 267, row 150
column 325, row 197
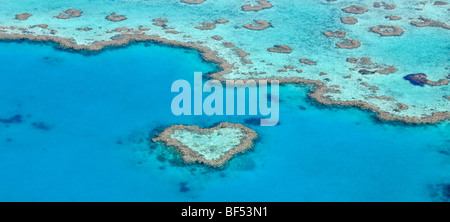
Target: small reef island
column 213, row 146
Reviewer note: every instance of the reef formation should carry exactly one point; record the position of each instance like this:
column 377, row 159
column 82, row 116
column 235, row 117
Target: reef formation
column 213, row 146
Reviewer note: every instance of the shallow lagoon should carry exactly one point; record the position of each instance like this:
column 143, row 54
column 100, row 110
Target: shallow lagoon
column 99, row 110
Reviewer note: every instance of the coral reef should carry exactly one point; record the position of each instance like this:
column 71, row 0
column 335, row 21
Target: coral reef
column 365, row 66
column 201, row 145
column 387, row 30
column 206, row 26
column 349, row 20
column 261, row 25
column 115, row 17
column 262, row 4
column 69, row 13
column 348, row 44
column 428, row 22
column 308, row 62
column 393, row 17
column 355, row 9
column 280, row 49
column 421, row 79
column 337, row 34
column 23, row 16
column 193, row 1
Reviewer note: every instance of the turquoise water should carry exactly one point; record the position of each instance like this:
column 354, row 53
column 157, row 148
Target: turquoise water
column 86, row 120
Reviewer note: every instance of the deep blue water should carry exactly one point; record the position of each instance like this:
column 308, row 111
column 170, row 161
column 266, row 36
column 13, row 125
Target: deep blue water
column 85, row 119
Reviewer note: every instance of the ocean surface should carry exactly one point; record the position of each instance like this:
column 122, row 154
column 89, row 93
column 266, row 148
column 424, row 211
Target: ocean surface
column 75, row 127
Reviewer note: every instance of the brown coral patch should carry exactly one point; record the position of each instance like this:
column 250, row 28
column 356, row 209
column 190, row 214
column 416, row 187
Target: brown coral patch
column 280, row 49
column 374, row 89
column 365, row 66
column 122, row 29
column 23, row 16
column 228, row 44
column 84, row 29
column 216, row 37
column 44, row 26
column 206, row 26
column 402, row 106
column 308, row 61
column 160, row 24
column 428, row 22
column 382, row 98
column 262, row 4
column 365, row 60
column 355, row 9
column 387, row 30
column 440, row 3
column 387, row 70
column 160, row 20
column 69, row 13
column 352, row 60
column 142, row 28
column 348, row 44
column 222, row 21
column 388, row 6
column 349, row 20
column 422, row 79
column 337, row 34
column 115, row 17
column 393, row 17
column 261, row 25
column 242, row 54
column 194, row 2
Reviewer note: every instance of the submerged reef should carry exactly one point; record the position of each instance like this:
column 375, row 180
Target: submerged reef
column 393, row 17
column 262, row 4
column 206, row 26
column 387, row 30
column 213, row 146
column 355, row 9
column 420, row 79
column 13, row 119
column 193, row 1
column 428, row 22
column 365, row 66
column 23, row 16
column 349, row 20
column 384, row 5
column 261, row 25
column 308, row 61
column 348, row 44
column 115, row 18
column 69, row 13
column 336, row 34
column 280, row 49
column 440, row 3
